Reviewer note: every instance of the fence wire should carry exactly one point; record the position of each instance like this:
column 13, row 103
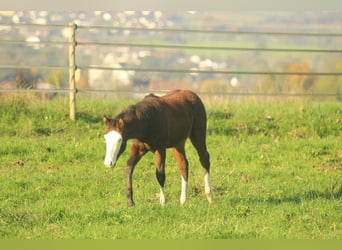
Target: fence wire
column 123, row 92
column 174, row 46
column 222, row 32
column 232, row 72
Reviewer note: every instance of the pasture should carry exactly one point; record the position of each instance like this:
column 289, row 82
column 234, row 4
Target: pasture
column 276, row 173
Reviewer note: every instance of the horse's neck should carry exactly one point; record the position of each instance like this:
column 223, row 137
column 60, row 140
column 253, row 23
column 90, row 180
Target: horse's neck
column 135, row 129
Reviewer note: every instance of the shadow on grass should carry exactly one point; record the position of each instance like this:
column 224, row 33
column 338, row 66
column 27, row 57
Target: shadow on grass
column 295, row 199
column 309, row 195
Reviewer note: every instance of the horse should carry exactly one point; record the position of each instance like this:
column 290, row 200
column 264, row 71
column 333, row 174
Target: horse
column 155, row 124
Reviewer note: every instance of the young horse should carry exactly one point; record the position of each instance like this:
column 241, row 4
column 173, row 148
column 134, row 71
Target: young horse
column 157, row 123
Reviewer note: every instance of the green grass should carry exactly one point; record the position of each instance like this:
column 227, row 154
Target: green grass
column 276, row 174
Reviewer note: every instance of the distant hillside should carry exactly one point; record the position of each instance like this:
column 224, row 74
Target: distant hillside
column 161, row 58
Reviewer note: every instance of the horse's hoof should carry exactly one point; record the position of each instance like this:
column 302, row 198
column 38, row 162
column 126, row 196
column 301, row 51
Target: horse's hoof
column 162, row 203
column 130, row 204
column 210, row 199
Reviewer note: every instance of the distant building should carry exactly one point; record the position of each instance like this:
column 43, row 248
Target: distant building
column 110, row 79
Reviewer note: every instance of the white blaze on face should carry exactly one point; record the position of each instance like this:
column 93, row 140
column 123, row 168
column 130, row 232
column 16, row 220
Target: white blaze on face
column 113, row 145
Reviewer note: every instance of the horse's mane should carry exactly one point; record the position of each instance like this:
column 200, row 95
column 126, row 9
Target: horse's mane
column 145, row 109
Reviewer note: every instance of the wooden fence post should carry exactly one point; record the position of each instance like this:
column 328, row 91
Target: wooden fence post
column 72, row 69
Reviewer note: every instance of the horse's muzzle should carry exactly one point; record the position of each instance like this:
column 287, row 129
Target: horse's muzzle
column 110, row 165
column 113, row 145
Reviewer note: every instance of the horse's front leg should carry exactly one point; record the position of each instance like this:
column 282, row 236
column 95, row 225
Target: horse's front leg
column 129, row 189
column 179, row 154
column 136, row 152
column 160, row 173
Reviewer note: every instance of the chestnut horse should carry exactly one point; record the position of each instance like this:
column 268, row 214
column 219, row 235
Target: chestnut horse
column 154, row 124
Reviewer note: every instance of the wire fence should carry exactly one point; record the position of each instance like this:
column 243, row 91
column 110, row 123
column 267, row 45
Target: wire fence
column 175, row 46
column 73, row 44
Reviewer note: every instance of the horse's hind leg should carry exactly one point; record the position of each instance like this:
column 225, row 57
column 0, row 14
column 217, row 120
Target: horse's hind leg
column 179, row 154
column 198, row 138
column 160, row 173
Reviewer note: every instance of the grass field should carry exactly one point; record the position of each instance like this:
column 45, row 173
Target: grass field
column 276, row 174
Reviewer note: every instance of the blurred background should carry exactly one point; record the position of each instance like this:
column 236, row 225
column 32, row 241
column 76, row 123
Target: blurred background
column 235, row 55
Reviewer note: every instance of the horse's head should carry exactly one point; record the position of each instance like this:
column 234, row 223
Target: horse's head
column 115, row 143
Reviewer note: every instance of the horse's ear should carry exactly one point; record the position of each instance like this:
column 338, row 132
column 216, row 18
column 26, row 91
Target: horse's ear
column 121, row 124
column 105, row 120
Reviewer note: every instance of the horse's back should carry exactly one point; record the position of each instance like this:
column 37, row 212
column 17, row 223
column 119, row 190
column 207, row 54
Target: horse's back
column 183, row 98
column 185, row 111
column 180, row 94
column 184, row 101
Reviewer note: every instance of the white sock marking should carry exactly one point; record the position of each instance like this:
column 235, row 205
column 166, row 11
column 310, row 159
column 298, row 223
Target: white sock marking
column 207, row 188
column 184, row 193
column 162, row 197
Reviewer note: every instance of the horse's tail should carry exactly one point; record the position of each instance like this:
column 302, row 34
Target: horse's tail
column 200, row 115
column 199, row 132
